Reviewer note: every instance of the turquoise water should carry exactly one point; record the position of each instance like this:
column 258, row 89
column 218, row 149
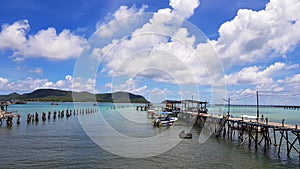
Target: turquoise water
column 273, row 114
column 64, row 142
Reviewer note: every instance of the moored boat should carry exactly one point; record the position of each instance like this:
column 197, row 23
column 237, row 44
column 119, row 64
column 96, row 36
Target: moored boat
column 165, row 119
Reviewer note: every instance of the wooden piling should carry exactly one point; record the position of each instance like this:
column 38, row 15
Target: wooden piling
column 259, row 133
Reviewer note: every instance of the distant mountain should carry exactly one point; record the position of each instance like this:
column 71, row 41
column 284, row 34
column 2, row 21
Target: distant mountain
column 69, row 96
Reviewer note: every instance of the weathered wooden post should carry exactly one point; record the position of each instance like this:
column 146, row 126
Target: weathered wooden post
column 43, row 116
column 9, row 120
column 36, row 117
column 18, row 120
column 28, row 117
column 49, row 115
column 54, row 115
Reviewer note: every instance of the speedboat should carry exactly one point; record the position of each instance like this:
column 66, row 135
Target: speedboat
column 164, row 120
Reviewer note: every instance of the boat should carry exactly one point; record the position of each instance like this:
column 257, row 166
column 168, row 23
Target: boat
column 183, row 134
column 54, row 103
column 248, row 117
column 16, row 102
column 165, row 119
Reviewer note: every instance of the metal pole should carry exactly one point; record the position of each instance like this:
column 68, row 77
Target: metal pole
column 257, row 106
column 228, row 106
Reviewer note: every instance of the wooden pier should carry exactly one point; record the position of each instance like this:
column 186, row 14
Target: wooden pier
column 286, row 107
column 258, row 132
column 143, row 108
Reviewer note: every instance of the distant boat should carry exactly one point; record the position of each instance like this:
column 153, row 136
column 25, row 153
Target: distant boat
column 95, row 104
column 54, row 103
column 247, row 117
column 16, row 102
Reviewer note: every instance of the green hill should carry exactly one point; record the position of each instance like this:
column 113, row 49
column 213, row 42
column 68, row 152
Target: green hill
column 69, row 96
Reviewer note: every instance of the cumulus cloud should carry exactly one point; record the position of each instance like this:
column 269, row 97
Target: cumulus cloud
column 49, row 44
column 294, row 79
column 14, row 36
column 44, row 44
column 130, row 85
column 134, row 85
column 251, row 37
column 3, row 82
column 184, row 9
column 161, row 49
column 292, row 83
column 123, row 17
column 254, row 75
column 255, row 36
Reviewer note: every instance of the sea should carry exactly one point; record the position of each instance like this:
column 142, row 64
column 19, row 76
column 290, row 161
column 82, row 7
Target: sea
column 119, row 136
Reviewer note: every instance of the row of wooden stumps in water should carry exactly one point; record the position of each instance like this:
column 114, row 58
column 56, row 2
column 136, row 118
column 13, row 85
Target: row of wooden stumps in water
column 256, row 133
column 56, row 114
column 142, row 108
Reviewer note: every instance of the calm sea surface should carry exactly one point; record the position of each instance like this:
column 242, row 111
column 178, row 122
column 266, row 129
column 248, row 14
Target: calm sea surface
column 64, row 142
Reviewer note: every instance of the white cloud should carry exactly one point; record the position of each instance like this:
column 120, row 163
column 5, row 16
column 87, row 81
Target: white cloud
column 44, row 44
column 14, row 36
column 81, row 84
column 122, row 18
column 25, row 85
column 161, row 49
column 292, row 83
column 36, row 70
column 164, row 51
column 184, row 8
column 125, row 12
column 254, row 36
column 253, row 75
column 294, row 79
column 130, row 85
column 30, row 84
column 3, row 82
column 49, row 44
column 133, row 85
column 157, row 95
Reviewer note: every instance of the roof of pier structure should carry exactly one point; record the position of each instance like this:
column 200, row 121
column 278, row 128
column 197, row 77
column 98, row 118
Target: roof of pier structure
column 195, row 101
column 183, row 101
column 173, row 101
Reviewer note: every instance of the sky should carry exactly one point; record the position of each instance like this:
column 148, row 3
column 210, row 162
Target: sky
column 168, row 49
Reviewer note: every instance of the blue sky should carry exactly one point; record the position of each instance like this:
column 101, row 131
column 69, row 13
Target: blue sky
column 174, row 49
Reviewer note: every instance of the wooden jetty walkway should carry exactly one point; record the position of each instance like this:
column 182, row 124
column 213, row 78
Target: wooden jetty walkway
column 246, row 129
column 252, row 131
column 289, row 107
